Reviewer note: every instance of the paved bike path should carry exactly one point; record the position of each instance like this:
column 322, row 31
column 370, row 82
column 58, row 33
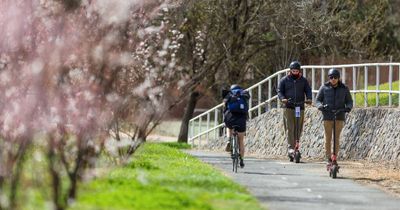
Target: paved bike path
column 284, row 185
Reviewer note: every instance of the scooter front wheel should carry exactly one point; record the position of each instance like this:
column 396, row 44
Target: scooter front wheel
column 291, row 155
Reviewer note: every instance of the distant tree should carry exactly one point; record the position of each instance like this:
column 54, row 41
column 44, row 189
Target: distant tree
column 245, row 37
column 316, row 30
column 223, row 41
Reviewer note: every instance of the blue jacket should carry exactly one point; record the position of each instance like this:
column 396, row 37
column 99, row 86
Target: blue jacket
column 295, row 89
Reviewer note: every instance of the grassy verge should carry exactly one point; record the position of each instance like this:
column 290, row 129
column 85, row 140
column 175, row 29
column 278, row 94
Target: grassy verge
column 383, row 97
column 177, row 145
column 162, row 177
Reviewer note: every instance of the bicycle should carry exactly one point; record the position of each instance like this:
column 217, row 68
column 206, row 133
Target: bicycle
column 333, row 167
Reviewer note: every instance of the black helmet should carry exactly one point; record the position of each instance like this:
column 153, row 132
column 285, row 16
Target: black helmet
column 333, row 72
column 295, row 65
column 235, row 86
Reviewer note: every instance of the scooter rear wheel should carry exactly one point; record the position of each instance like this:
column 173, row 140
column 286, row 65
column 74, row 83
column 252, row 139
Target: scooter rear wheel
column 297, row 157
column 334, row 171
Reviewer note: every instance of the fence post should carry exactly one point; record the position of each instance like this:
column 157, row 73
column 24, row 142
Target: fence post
column 279, row 79
column 313, row 82
column 191, row 125
column 365, row 86
column 390, row 83
column 250, row 102
column 200, row 122
column 259, row 100
column 354, row 86
column 377, row 85
column 269, row 93
column 344, row 75
column 208, row 127
column 215, row 124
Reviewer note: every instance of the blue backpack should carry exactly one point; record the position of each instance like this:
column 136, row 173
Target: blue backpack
column 237, row 102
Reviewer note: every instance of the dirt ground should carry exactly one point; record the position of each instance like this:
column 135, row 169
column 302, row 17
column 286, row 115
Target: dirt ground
column 383, row 176
column 380, row 175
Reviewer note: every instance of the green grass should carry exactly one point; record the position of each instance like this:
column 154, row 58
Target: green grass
column 162, row 177
column 383, row 97
column 177, row 145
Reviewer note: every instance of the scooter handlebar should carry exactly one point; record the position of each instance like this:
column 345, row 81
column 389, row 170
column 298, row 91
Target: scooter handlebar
column 325, row 107
column 290, row 101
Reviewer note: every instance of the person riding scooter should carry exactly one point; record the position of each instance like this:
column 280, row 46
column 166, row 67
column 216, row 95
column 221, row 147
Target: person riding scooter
column 293, row 89
column 333, row 95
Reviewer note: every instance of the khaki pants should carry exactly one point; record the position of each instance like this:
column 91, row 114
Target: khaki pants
column 289, row 124
column 328, row 127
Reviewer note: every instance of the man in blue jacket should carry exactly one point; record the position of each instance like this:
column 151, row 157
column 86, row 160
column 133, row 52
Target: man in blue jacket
column 333, row 95
column 293, row 88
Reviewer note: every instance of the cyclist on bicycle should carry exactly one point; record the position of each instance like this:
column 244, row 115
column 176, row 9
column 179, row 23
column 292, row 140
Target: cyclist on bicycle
column 333, row 95
column 235, row 115
column 293, row 88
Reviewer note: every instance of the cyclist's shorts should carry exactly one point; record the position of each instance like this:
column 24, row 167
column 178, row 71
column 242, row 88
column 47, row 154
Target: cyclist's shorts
column 238, row 120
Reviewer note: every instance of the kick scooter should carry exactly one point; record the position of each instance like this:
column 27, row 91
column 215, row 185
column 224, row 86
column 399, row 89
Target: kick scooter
column 333, row 167
column 295, row 154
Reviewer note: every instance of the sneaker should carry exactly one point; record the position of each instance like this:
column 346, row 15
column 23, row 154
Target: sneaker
column 291, row 151
column 241, row 163
column 228, row 147
column 291, row 154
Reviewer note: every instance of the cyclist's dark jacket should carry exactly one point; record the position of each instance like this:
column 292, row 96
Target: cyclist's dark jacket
column 335, row 98
column 294, row 89
column 235, row 119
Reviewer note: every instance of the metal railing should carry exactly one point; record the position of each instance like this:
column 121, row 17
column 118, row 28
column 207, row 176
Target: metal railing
column 371, row 84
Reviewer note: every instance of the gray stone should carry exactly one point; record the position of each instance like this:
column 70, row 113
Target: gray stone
column 371, row 134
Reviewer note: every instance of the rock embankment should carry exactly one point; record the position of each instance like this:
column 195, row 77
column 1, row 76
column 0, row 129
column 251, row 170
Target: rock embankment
column 371, row 134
